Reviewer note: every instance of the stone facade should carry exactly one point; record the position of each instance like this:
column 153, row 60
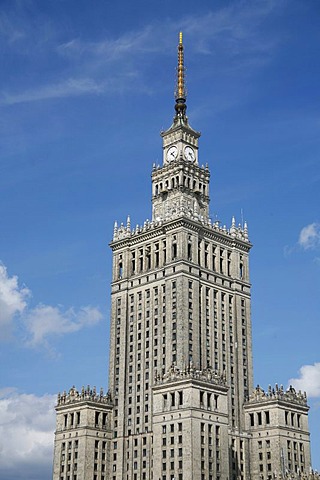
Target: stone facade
column 182, row 404
column 83, row 435
column 190, row 423
column 278, row 423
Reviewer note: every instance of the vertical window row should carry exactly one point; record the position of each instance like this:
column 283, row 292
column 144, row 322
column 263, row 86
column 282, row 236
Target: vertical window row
column 244, row 344
column 100, row 460
column 174, row 322
column 172, row 451
column 210, row 451
column 295, row 455
column 265, row 459
column 208, row 335
column 69, row 460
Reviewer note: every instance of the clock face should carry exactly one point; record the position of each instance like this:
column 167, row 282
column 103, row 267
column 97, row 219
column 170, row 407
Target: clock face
column 172, row 153
column 189, row 154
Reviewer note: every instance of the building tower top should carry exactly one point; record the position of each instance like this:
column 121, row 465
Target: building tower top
column 180, row 93
column 180, row 186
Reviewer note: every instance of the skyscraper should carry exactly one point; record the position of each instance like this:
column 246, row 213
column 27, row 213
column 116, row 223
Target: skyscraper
column 181, row 403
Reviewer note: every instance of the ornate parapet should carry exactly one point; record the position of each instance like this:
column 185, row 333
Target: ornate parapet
column 86, row 395
column 180, row 210
column 174, row 374
column 313, row 475
column 278, row 393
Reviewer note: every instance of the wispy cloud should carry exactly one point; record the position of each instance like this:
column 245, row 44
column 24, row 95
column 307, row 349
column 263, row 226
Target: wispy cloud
column 38, row 326
column 233, row 29
column 108, row 50
column 45, row 321
column 309, row 237
column 70, row 87
column 13, row 301
column 308, row 380
column 104, row 66
column 26, row 435
column 9, row 30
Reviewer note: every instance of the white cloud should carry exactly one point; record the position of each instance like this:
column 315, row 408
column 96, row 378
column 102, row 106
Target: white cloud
column 113, row 49
column 309, row 380
column 234, row 29
column 107, row 65
column 37, row 326
column 70, row 87
column 46, row 321
column 13, row 301
column 309, row 237
column 26, row 435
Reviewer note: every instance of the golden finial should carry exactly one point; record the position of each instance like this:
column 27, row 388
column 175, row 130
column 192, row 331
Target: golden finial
column 180, row 91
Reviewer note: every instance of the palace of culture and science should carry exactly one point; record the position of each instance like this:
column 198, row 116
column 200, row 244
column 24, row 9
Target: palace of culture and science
column 181, row 403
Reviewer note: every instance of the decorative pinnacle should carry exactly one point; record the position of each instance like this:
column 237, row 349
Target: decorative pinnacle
column 180, row 95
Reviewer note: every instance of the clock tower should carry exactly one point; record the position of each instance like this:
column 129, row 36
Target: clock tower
column 180, row 187
column 181, row 403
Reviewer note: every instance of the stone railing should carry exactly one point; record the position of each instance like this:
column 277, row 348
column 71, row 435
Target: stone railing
column 125, row 231
column 313, row 475
column 278, row 393
column 87, row 394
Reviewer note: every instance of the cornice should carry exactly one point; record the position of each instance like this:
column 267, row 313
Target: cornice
column 182, row 222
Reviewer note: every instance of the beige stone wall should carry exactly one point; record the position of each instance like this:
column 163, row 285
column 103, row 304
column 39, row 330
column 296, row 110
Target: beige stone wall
column 280, row 440
column 190, row 434
column 82, row 439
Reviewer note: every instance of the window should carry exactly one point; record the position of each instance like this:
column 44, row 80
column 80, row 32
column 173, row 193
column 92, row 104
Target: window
column 259, row 415
column 267, row 414
column 251, row 419
column 299, row 420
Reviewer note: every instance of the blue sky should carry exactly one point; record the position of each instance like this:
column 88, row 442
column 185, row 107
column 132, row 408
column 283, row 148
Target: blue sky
column 85, row 89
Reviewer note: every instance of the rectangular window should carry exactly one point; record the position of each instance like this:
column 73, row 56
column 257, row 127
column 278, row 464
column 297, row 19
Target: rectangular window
column 267, row 414
column 251, row 419
column 259, row 415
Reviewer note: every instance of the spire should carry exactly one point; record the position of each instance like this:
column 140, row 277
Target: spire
column 180, row 93
column 233, row 226
column 245, row 231
column 128, row 224
column 115, row 229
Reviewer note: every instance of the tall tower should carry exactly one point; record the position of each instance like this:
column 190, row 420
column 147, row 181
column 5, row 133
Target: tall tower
column 181, row 403
column 180, row 349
